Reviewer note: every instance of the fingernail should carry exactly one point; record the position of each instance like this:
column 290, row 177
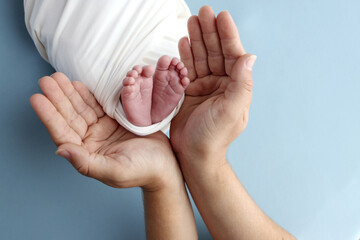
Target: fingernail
column 250, row 62
column 63, row 153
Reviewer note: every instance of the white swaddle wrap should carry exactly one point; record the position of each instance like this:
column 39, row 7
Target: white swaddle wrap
column 98, row 41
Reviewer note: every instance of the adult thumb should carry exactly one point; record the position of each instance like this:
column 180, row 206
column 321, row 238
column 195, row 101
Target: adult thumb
column 77, row 155
column 239, row 90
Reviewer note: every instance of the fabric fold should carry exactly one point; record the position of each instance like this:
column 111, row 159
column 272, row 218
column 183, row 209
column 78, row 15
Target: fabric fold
column 98, row 42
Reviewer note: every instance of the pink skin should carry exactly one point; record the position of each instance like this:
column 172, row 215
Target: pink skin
column 148, row 99
column 170, row 82
column 136, row 95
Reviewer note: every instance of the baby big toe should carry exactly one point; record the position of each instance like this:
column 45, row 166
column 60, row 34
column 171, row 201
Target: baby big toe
column 163, row 63
column 148, row 71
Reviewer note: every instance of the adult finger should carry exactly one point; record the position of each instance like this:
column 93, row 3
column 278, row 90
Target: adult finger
column 94, row 165
column 86, row 163
column 187, row 57
column 88, row 98
column 59, row 130
column 212, row 40
column 230, row 40
column 239, row 90
column 63, row 105
column 198, row 47
column 87, row 113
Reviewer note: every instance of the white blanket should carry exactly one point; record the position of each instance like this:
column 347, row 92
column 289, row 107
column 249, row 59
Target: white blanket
column 98, row 41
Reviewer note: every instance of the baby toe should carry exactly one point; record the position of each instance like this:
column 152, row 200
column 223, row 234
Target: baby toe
column 128, row 81
column 183, row 72
column 180, row 66
column 185, row 82
column 175, row 61
column 133, row 73
column 148, row 71
column 173, row 64
column 163, row 63
column 137, row 68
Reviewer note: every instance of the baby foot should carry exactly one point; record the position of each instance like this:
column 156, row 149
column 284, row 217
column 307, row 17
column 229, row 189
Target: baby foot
column 169, row 82
column 136, row 95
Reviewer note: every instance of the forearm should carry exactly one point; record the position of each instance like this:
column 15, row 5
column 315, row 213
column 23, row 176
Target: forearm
column 168, row 212
column 226, row 207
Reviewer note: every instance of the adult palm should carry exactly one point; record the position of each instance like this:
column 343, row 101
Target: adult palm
column 95, row 144
column 216, row 106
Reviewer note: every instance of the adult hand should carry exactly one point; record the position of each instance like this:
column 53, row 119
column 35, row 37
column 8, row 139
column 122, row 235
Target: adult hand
column 95, row 144
column 217, row 102
column 98, row 147
column 214, row 113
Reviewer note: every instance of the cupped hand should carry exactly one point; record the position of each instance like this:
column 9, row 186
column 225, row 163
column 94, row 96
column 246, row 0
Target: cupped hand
column 95, row 144
column 217, row 102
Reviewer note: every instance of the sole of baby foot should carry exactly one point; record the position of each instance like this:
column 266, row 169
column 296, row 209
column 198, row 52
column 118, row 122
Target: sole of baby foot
column 169, row 82
column 136, row 95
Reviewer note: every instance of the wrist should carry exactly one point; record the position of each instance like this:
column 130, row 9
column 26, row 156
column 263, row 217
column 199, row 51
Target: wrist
column 209, row 158
column 197, row 173
column 167, row 178
column 168, row 212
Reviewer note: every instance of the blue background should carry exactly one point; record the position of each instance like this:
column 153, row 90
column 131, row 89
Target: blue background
column 299, row 157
